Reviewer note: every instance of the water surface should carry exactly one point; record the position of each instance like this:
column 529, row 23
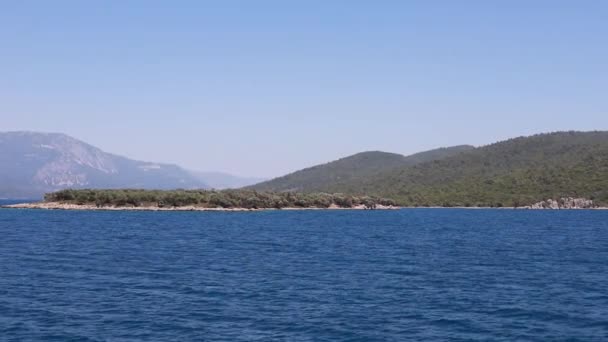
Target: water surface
column 416, row 274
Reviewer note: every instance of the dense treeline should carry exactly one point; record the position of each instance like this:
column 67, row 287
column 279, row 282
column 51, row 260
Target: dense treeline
column 516, row 172
column 249, row 199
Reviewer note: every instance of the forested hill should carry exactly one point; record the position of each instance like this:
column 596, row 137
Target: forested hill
column 354, row 169
column 515, row 172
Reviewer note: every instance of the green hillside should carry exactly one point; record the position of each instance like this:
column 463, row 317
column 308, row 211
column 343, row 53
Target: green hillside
column 514, row 172
column 354, row 169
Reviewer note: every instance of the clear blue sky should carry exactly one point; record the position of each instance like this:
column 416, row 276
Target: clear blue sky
column 261, row 88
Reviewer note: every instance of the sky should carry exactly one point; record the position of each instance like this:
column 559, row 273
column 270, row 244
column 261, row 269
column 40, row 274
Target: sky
column 261, row 88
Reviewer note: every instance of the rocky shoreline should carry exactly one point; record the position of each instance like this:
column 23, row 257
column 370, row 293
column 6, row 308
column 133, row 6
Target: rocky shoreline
column 71, row 206
column 567, row 203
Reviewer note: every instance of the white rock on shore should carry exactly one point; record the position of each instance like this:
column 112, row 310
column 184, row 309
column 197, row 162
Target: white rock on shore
column 564, row 203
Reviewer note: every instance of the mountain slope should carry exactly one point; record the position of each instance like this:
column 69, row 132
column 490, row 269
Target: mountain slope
column 515, row 172
column 354, row 169
column 35, row 163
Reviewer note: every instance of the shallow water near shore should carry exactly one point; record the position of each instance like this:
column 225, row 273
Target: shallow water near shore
column 411, row 274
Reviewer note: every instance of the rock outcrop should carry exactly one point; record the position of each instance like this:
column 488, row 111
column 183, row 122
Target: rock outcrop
column 564, row 203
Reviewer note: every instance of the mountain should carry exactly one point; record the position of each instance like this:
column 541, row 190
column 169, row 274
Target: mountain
column 35, row 163
column 339, row 175
column 220, row 180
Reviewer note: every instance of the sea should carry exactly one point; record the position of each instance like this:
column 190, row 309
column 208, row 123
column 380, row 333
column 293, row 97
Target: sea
column 319, row 275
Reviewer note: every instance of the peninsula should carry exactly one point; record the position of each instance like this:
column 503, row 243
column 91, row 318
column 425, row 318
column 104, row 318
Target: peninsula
column 201, row 200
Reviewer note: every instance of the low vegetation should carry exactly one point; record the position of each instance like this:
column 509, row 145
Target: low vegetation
column 249, row 199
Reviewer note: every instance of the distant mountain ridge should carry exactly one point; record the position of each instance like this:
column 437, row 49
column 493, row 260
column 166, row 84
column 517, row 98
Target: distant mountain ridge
column 34, row 163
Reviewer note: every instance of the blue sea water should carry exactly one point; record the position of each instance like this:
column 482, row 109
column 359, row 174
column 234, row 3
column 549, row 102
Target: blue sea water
column 415, row 274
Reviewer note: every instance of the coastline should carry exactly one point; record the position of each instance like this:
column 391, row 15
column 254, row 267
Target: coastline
column 69, row 206
column 90, row 207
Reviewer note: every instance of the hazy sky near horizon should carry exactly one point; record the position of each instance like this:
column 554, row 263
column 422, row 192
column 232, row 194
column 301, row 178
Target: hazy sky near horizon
column 261, row 88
